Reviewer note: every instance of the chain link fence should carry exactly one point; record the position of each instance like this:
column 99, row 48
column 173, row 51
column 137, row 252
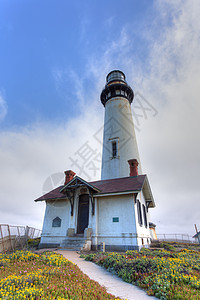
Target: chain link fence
column 16, row 237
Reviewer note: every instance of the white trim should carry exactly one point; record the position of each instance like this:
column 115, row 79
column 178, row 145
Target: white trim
column 117, row 193
column 114, row 138
column 69, row 184
column 150, row 198
column 126, row 236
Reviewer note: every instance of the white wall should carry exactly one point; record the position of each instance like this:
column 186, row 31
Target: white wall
column 61, row 209
column 118, row 124
column 55, row 209
column 125, row 232
column 143, row 232
column 116, row 233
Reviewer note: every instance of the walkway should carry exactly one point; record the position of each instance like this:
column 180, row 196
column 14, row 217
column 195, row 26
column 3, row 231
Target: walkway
column 112, row 283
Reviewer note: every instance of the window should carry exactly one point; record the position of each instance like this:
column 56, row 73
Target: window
column 114, row 149
column 56, row 222
column 144, row 215
column 115, row 75
column 139, row 212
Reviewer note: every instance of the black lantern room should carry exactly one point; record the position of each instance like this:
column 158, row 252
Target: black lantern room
column 116, row 86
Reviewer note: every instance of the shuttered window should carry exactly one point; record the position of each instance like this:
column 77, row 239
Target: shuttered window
column 139, row 213
column 144, row 215
column 114, row 149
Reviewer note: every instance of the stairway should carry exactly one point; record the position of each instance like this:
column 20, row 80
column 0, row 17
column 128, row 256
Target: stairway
column 75, row 243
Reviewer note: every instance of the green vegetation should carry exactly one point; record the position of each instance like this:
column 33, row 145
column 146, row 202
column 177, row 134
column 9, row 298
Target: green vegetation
column 172, row 274
column 175, row 246
column 25, row 275
column 33, row 243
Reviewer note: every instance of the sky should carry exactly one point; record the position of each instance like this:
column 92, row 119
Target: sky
column 54, row 58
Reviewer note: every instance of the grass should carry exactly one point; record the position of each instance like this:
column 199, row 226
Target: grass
column 172, row 274
column 25, row 275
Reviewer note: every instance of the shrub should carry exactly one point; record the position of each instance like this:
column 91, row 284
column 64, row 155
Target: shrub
column 33, row 243
column 160, row 272
column 45, row 276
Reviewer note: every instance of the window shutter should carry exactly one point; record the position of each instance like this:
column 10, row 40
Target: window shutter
column 139, row 212
column 145, row 215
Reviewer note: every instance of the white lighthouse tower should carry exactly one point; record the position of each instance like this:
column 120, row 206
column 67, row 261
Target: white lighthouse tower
column 114, row 210
column 119, row 141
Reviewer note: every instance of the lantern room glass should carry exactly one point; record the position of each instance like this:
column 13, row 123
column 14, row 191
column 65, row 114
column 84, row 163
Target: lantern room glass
column 115, row 75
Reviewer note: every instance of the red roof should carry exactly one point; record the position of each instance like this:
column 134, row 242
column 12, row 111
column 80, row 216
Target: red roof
column 117, row 185
column 54, row 194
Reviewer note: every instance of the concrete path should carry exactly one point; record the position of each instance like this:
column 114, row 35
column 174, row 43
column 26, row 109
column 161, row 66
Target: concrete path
column 112, row 283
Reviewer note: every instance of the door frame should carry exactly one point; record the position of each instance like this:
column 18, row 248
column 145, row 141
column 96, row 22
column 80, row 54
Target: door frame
column 79, row 214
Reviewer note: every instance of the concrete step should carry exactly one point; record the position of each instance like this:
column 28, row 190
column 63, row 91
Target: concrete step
column 68, row 249
column 75, row 239
column 75, row 243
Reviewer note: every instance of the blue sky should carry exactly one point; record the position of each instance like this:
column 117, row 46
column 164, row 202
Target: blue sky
column 40, row 37
column 54, row 57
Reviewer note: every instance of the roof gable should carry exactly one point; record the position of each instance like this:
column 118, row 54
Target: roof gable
column 59, row 192
column 77, row 182
column 132, row 184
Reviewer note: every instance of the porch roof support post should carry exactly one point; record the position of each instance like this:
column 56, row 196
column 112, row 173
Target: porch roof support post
column 92, row 201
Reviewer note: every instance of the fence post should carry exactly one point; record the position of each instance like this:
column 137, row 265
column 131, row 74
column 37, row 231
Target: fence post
column 27, row 234
column 21, row 237
column 18, row 231
column 2, row 239
column 10, row 238
column 198, row 234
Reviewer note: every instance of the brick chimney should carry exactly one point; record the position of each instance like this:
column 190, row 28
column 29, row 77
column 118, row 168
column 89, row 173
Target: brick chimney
column 69, row 175
column 133, row 163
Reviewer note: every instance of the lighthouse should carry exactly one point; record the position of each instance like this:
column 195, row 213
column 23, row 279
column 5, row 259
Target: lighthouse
column 119, row 139
column 113, row 211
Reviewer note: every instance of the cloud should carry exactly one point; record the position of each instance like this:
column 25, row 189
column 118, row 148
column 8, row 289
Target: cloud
column 29, row 156
column 168, row 143
column 115, row 55
column 169, row 81
column 3, row 107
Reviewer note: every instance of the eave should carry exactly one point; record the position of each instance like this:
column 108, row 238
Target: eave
column 115, row 194
column 52, row 199
column 148, row 193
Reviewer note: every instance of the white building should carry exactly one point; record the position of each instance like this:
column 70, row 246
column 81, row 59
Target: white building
column 115, row 209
